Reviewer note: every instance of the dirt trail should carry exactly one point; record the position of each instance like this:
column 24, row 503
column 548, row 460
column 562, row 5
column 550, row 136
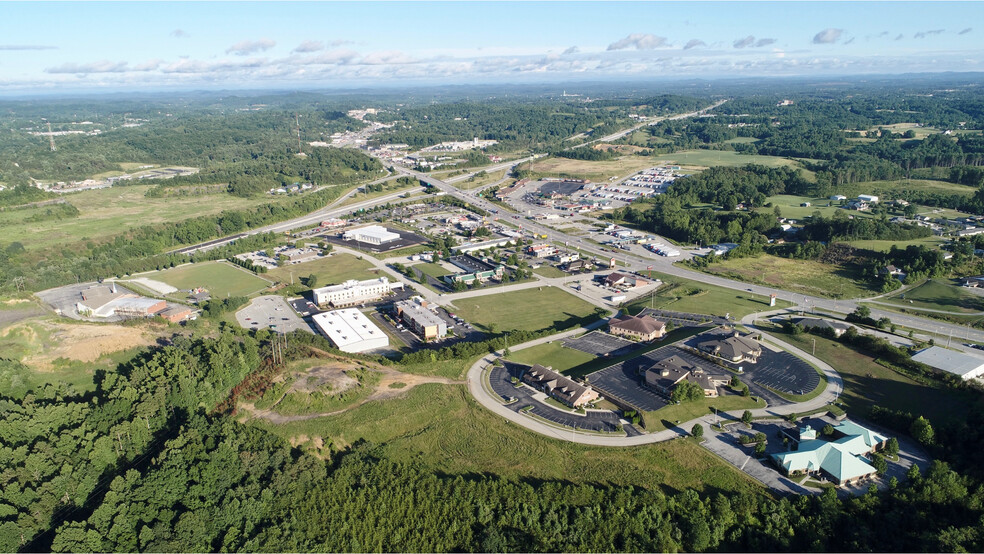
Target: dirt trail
column 382, row 391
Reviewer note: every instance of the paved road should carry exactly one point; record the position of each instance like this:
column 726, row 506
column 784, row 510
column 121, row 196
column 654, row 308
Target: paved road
column 650, row 121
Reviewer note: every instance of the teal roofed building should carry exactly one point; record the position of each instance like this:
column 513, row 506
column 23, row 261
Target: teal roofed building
column 841, row 460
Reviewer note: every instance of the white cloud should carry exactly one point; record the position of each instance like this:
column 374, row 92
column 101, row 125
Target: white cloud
column 331, row 57
column 965, row 31
column 743, row 42
column 571, row 50
column 102, row 66
column 178, row 33
column 246, row 47
column 639, row 41
column 764, row 42
column 310, row 46
column 694, row 43
column 828, row 36
column 26, row 47
column 387, row 57
column 924, row 34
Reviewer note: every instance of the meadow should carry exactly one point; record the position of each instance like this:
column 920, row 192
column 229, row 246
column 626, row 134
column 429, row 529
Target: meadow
column 220, row 278
column 444, row 428
column 938, row 294
column 334, row 269
column 794, row 276
column 527, row 310
column 112, row 211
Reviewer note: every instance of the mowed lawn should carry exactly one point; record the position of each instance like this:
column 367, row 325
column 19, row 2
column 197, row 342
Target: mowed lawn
column 667, row 418
column 886, row 245
column 798, row 276
column 442, row 427
column 112, row 211
column 939, row 295
column 552, row 354
column 868, row 384
column 701, row 298
column 527, row 310
column 220, row 278
column 595, row 171
column 332, row 270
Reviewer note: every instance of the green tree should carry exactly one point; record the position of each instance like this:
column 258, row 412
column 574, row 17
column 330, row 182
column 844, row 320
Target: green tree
column 687, row 392
column 828, row 430
column 922, row 431
column 312, row 281
column 892, row 447
column 746, row 417
column 760, row 448
column 697, row 431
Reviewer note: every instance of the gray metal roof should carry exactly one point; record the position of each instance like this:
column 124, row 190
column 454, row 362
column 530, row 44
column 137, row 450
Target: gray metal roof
column 958, row 363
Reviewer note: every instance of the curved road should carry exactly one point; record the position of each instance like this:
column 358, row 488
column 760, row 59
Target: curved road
column 476, row 375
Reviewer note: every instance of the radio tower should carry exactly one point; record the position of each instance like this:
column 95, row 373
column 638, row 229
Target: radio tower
column 297, row 121
column 51, row 137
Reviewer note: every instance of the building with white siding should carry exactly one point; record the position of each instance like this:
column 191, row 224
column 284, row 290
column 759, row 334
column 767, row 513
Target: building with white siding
column 350, row 330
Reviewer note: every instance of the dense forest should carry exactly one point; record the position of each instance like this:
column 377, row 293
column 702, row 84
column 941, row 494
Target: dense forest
column 146, row 461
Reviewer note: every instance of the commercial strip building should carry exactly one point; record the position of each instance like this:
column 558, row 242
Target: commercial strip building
column 350, row 330
column 373, row 234
column 105, row 301
column 415, row 313
column 966, row 366
column 841, row 460
column 474, row 270
column 640, row 327
column 354, row 292
column 556, row 385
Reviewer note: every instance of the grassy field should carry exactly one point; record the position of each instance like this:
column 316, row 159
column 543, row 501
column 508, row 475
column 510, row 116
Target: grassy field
column 529, row 310
column 868, row 384
column 548, row 271
column 711, row 158
column 667, row 418
column 111, row 211
column 886, row 245
column 681, row 295
column 389, row 187
column 220, row 278
column 476, row 181
column 443, row 427
column 552, row 354
column 790, row 207
column 432, row 270
column 797, row 276
column 595, row 171
column 939, row 294
column 332, row 270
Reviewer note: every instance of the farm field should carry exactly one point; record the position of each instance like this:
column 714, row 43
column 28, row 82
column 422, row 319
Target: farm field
column 682, row 295
column 798, row 276
column 938, row 294
column 220, row 278
column 332, row 270
column 527, row 310
column 111, row 211
column 442, row 427
column 552, row 354
column 868, row 384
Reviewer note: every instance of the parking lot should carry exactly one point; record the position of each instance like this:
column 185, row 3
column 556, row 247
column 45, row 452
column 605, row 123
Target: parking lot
column 783, row 372
column 406, row 239
column 271, row 312
column 599, row 343
column 501, row 380
column 683, row 319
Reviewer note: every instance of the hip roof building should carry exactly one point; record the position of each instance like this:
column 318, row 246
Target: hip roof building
column 641, row 327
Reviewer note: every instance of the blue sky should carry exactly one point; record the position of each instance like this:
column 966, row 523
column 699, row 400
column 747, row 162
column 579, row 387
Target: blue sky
column 146, row 45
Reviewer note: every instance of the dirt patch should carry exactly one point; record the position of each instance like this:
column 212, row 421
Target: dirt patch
column 334, row 378
column 8, row 317
column 86, row 343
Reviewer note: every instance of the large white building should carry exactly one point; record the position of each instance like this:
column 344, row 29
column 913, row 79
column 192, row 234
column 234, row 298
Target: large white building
column 350, row 330
column 355, row 292
column 966, row 366
column 373, row 234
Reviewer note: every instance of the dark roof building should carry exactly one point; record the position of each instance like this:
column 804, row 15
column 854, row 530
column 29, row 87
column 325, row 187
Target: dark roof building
column 642, row 327
column 730, row 345
column 838, row 327
column 556, row 385
column 666, row 374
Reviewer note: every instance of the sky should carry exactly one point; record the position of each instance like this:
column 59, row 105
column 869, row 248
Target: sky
column 109, row 46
